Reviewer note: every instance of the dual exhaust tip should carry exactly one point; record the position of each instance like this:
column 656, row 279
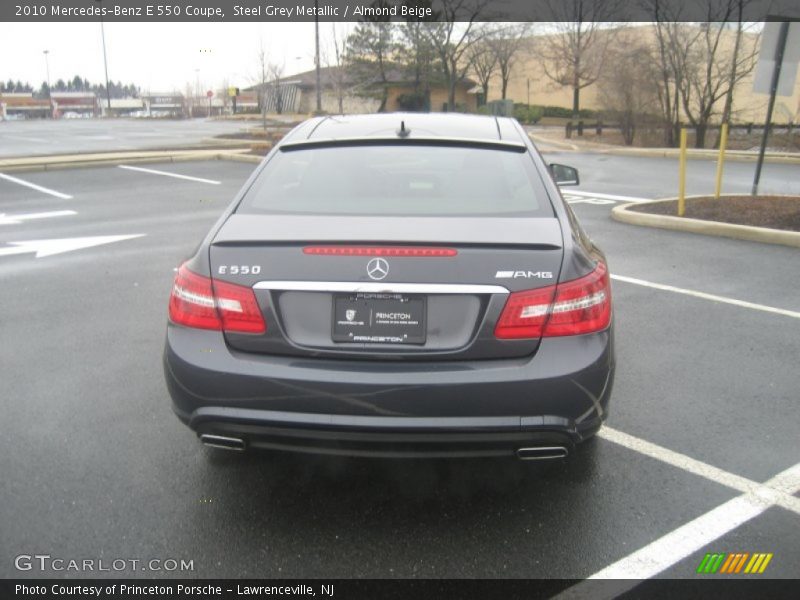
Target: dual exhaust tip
column 532, row 453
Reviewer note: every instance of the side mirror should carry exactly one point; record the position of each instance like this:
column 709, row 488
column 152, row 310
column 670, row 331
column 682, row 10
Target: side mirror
column 564, row 175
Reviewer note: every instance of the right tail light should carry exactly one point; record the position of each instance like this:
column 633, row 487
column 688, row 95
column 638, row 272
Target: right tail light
column 574, row 307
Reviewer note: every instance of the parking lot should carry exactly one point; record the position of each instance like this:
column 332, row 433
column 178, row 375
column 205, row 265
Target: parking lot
column 701, row 452
column 46, row 137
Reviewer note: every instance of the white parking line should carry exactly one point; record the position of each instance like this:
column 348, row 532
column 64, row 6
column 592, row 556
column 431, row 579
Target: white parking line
column 676, row 459
column 26, row 139
column 780, row 488
column 705, row 296
column 167, row 174
column 35, row 187
column 678, row 544
column 675, row 546
column 18, row 218
column 605, row 196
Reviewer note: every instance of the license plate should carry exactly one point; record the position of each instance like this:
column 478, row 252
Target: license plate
column 379, row 318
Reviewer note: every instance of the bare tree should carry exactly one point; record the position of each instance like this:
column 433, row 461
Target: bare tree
column 262, row 78
column 226, row 99
column 669, row 68
column 370, row 48
column 278, row 93
column 188, row 105
column 336, row 60
column 629, row 90
column 575, row 55
column 740, row 59
column 417, row 54
column 338, row 74
column 708, row 78
column 505, row 45
column 698, row 67
column 454, row 36
column 484, row 66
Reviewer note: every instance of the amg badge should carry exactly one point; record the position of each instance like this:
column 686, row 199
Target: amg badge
column 526, row 274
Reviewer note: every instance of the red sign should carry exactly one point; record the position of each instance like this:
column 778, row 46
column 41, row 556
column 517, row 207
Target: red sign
column 209, row 93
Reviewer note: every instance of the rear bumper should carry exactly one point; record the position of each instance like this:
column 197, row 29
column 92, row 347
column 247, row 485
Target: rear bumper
column 400, row 409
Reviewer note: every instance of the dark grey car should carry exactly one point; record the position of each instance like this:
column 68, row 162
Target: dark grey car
column 395, row 285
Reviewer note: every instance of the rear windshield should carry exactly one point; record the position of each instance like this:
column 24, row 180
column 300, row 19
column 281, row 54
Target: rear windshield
column 402, row 180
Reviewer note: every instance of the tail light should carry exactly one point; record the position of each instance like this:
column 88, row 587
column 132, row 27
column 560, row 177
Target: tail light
column 198, row 302
column 571, row 308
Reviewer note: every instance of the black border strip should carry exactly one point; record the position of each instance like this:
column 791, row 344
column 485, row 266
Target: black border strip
column 287, row 11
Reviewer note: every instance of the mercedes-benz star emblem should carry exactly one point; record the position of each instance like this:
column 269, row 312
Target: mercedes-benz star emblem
column 377, row 268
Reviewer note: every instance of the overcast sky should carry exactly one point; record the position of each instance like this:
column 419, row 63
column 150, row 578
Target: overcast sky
column 159, row 57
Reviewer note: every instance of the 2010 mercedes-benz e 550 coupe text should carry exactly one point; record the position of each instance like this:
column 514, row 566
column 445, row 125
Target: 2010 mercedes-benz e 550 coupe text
column 395, row 285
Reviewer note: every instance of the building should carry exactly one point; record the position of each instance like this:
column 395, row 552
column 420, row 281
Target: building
column 59, row 105
column 23, row 106
column 124, row 107
column 529, row 82
column 168, row 104
column 343, row 92
column 75, row 104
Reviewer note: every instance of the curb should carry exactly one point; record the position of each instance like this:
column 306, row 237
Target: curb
column 245, row 158
column 730, row 155
column 705, row 154
column 226, row 142
column 558, row 144
column 77, row 161
column 763, row 235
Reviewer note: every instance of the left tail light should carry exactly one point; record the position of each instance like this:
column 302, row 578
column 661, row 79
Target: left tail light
column 199, row 302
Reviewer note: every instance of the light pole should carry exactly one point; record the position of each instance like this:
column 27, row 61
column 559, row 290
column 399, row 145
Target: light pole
column 49, row 89
column 105, row 58
column 316, row 55
column 529, row 94
column 196, row 88
column 780, row 48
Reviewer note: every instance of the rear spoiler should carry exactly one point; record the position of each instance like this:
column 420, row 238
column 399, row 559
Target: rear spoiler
column 506, row 145
column 538, row 232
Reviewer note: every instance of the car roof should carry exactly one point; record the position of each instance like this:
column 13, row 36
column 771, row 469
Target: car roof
column 443, row 126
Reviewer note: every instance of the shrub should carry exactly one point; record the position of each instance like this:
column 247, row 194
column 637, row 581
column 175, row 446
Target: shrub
column 565, row 113
column 414, row 102
column 525, row 114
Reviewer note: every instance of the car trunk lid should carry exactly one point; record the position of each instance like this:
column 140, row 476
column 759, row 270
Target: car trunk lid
column 403, row 288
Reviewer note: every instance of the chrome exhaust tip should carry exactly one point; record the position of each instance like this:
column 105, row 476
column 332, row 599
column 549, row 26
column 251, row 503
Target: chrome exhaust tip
column 220, row 441
column 542, row 452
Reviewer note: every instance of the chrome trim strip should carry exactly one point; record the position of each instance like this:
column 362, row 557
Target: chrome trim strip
column 380, row 287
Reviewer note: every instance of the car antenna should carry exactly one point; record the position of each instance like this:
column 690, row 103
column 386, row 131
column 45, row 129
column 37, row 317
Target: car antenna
column 403, row 132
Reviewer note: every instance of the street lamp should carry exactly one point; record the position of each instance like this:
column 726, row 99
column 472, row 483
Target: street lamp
column 196, row 89
column 529, row 94
column 316, row 55
column 49, row 89
column 105, row 59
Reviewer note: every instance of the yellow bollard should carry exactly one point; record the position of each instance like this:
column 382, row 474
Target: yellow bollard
column 682, row 175
column 723, row 141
